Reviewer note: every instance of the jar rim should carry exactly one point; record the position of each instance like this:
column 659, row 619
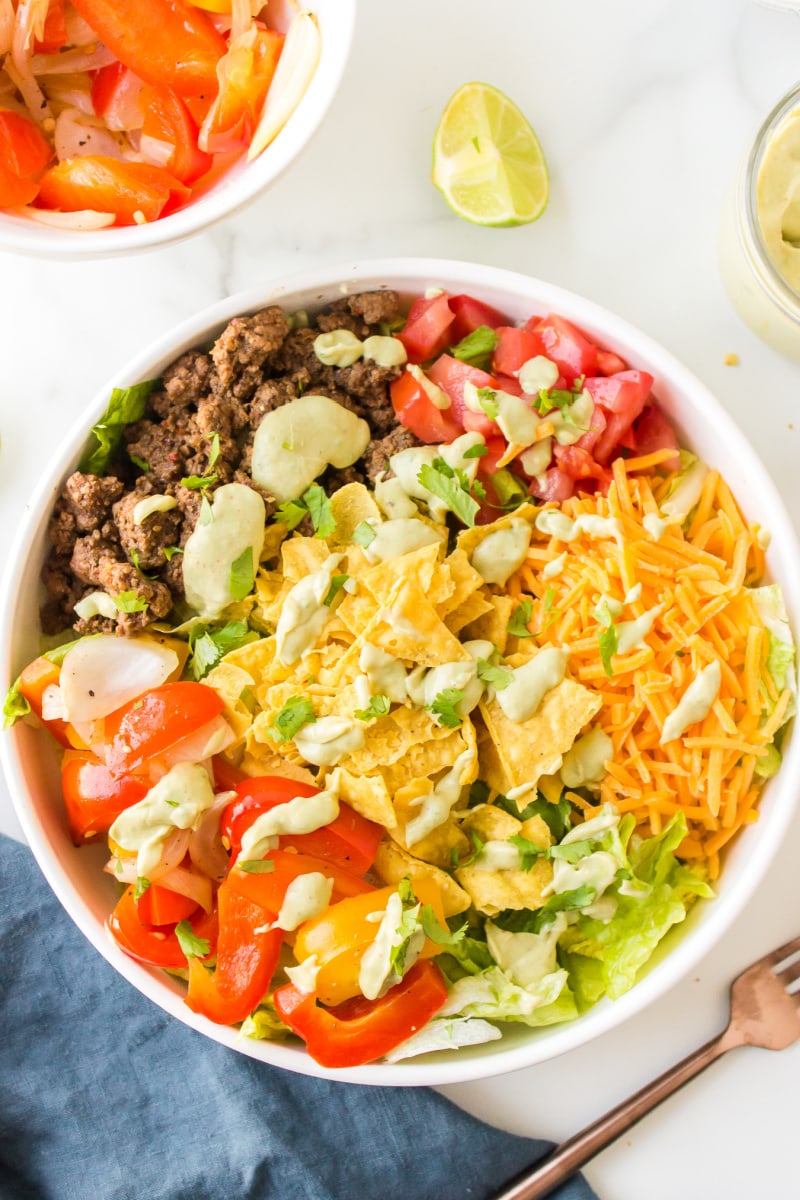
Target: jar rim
column 782, row 293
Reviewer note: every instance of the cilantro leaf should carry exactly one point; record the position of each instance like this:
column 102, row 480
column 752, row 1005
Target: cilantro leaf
column 199, row 482
column 337, row 583
column 291, row 513
column 15, row 706
column 518, row 625
column 550, row 398
column 557, row 817
column 377, row 707
column 437, row 932
column 476, row 348
column 134, row 557
column 243, row 574
column 141, row 463
column 363, row 534
column 573, row 851
column 607, row 640
column 256, row 866
column 444, row 707
column 130, row 602
column 525, row 920
column 142, row 884
column 320, row 510
column 477, row 849
column 487, row 398
column 444, row 486
column 208, row 644
column 191, row 945
column 476, row 451
column 529, row 851
column 171, row 551
column 213, row 453
column 551, row 614
column 290, row 719
column 126, row 406
column 496, row 677
column 405, row 890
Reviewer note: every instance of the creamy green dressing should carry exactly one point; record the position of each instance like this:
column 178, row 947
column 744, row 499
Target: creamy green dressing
column 438, row 398
column 177, row 801
column 400, row 536
column 537, row 374
column 236, row 524
column 570, row 426
column 306, row 897
column 376, row 974
column 596, row 870
column 303, row 814
column 152, row 504
column 423, row 685
column 653, row 525
column 557, row 524
column 515, row 418
column 531, row 683
column 338, row 348
column 695, row 704
column 296, row 442
column 304, row 977
column 585, row 762
column 502, row 552
column 536, row 459
column 392, row 499
column 497, row 855
column 385, row 673
column 436, row 805
column 406, row 465
column 385, row 351
column 631, row 634
column 329, row 739
column 526, row 957
column 305, row 614
column 555, row 567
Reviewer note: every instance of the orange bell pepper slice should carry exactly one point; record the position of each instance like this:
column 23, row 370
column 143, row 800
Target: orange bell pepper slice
column 108, row 185
column 24, row 154
column 167, row 118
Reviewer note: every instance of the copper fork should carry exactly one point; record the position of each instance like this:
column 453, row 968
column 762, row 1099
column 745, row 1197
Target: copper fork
column 763, row 1013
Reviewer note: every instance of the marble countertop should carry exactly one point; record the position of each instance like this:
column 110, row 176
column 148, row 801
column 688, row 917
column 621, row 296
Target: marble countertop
column 644, row 109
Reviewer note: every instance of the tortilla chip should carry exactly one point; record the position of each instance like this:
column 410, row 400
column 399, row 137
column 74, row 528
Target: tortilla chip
column 551, row 788
column 351, row 505
column 418, row 566
column 465, row 580
column 529, row 749
column 436, row 847
column 366, row 794
column 400, row 736
column 493, row 891
column 268, row 763
column 229, row 681
column 468, row 539
column 468, row 611
column 492, row 624
column 301, row 556
column 257, row 658
column 393, row 863
column 491, row 824
column 408, row 626
column 491, row 768
column 274, row 534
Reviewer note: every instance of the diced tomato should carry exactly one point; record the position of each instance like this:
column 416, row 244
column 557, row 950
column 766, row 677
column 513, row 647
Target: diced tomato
column 349, row 841
column 510, row 384
column 94, row 797
column 167, row 119
column 361, row 1030
column 54, row 35
column 450, row 374
column 169, row 42
column 415, row 409
column 244, row 73
column 579, row 464
column 247, row 955
column 609, row 363
column 469, row 314
column 622, row 392
column 573, row 353
column 156, row 947
column 108, row 185
column 595, row 431
column 428, row 328
column 514, row 348
column 116, row 96
column 653, row 432
column 555, row 486
column 159, row 906
column 24, row 154
column 147, row 727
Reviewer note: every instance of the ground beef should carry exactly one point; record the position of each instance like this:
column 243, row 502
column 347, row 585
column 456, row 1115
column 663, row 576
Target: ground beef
column 197, row 434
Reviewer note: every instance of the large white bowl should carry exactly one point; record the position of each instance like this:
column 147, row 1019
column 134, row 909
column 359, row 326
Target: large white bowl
column 237, row 187
column 29, row 757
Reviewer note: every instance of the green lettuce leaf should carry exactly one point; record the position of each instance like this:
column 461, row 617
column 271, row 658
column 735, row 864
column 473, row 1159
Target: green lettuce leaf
column 493, row 996
column 125, row 406
column 781, row 657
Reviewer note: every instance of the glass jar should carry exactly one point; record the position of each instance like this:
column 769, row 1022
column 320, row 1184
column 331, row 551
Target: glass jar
column 761, row 295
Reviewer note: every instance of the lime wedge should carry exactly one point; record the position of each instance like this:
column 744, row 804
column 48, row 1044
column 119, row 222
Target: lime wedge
column 487, row 161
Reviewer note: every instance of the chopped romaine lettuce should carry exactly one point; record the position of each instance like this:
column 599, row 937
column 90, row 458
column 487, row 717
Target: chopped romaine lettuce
column 781, row 663
column 125, row 406
column 494, row 997
column 445, row 1035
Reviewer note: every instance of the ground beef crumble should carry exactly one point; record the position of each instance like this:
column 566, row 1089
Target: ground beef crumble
column 200, row 421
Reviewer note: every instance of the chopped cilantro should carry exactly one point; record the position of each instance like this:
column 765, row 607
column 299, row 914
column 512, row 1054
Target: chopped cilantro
column 487, row 398
column 291, row 512
column 363, row 534
column 476, row 348
column 476, row 451
column 444, row 707
column 377, row 707
column 199, row 482
column 551, row 614
column 125, row 406
column 524, row 920
column 496, row 677
column 142, row 884
column 134, row 557
column 437, row 932
column 289, row 720
column 557, row 817
column 130, row 602
column 191, row 945
column 440, row 481
column 478, row 793
column 529, row 851
column 607, row 640
column 243, row 574
column 213, row 453
column 171, row 551
column 141, row 463
column 256, row 866
column 550, row 398
column 477, row 849
column 573, row 851
column 209, row 643
column 316, row 503
column 405, row 890
column 518, row 625
column 337, row 583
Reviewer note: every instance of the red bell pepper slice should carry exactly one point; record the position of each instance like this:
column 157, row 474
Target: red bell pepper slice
column 268, row 889
column 155, row 947
column 167, row 119
column 110, row 185
column 149, row 726
column 360, row 1030
column 95, row 797
column 160, row 906
column 24, row 154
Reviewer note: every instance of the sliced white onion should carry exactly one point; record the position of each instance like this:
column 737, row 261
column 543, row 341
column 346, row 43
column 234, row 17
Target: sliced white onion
column 78, row 135
column 172, row 855
column 154, row 151
column 71, row 91
column 205, row 845
column 240, row 18
column 295, row 70
column 52, row 703
column 100, row 674
column 210, row 739
column 123, row 869
column 189, row 883
column 87, row 218
column 79, row 32
column 79, row 59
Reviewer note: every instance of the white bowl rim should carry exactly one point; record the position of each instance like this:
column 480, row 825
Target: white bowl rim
column 21, row 235
column 411, row 275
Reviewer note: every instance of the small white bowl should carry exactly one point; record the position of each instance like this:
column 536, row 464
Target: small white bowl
column 30, row 760
column 237, row 187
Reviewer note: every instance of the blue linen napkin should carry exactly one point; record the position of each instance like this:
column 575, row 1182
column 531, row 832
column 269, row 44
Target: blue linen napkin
column 105, row 1097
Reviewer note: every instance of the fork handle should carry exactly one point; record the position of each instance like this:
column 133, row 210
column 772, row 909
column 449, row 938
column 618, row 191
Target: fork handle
column 572, row 1154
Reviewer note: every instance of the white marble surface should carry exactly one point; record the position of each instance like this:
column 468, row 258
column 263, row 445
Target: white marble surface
column 644, row 108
